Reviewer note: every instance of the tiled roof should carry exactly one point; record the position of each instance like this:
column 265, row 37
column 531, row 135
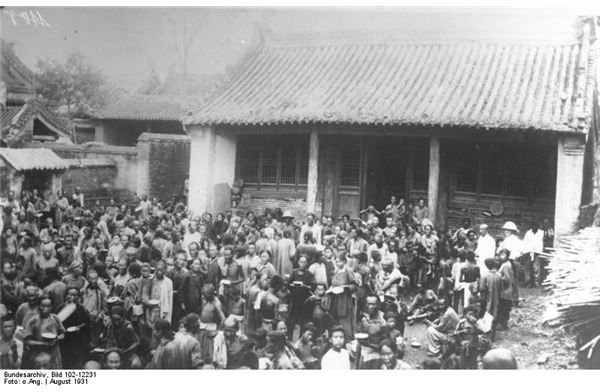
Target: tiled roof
column 480, row 84
column 8, row 114
column 168, row 101
column 14, row 118
column 146, row 107
column 201, row 85
column 14, row 72
column 33, row 159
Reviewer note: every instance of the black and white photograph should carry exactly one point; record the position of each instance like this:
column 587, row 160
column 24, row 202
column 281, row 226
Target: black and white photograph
column 298, row 188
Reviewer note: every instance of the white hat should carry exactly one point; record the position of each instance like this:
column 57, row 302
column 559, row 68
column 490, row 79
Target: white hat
column 287, row 214
column 427, row 222
column 510, row 226
column 483, row 226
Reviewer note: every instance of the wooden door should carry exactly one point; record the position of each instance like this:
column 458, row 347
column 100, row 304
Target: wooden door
column 344, row 180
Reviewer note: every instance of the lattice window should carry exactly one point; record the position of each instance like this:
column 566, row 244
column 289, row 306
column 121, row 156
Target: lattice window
column 247, row 160
column 351, row 165
column 517, row 172
column 303, row 163
column 269, row 164
column 288, row 164
column 272, row 160
column 492, row 168
column 523, row 169
column 466, row 168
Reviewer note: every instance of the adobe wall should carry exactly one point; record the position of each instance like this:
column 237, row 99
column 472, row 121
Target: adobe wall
column 121, row 180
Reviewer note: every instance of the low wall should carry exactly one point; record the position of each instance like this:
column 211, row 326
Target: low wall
column 95, row 178
column 120, row 181
column 157, row 166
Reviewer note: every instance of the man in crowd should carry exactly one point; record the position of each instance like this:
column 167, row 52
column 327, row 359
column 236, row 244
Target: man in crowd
column 438, row 330
column 486, row 246
column 234, row 293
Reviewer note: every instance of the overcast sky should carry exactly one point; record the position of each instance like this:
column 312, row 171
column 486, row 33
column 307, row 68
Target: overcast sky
column 129, row 42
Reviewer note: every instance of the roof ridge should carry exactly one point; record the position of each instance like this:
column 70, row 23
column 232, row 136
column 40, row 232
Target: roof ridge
column 419, row 42
column 379, row 84
column 9, row 54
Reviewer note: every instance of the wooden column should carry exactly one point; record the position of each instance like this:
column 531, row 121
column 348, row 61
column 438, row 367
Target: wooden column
column 56, row 182
column 313, row 172
column 434, row 178
column 410, row 167
column 444, row 183
column 569, row 181
column 329, row 183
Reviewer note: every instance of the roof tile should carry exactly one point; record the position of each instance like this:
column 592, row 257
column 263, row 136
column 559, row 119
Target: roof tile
column 33, row 159
column 482, row 84
column 146, row 107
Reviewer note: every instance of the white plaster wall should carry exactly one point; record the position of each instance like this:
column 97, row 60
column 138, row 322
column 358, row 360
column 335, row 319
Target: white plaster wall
column 224, row 172
column 569, row 183
column 202, row 150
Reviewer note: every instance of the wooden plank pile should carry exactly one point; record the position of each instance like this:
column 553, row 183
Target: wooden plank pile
column 574, row 281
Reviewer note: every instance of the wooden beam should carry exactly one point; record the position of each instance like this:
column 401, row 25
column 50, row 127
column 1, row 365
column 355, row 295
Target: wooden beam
column 373, row 130
column 56, row 182
column 443, row 193
column 313, row 172
column 434, row 177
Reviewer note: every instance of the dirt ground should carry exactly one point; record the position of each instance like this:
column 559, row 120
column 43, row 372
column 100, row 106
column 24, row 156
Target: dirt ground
column 526, row 337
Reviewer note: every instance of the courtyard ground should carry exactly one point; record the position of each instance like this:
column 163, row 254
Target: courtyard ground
column 526, row 337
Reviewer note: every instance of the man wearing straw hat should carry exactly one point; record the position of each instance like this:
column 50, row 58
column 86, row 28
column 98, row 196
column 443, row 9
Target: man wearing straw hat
column 289, row 225
column 511, row 242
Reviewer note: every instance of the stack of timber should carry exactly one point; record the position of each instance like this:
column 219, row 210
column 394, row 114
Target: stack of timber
column 574, row 280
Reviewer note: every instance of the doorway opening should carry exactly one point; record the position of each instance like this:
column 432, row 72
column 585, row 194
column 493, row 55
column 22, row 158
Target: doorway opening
column 396, row 166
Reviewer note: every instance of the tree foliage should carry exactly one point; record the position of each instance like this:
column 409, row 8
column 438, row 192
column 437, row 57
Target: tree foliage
column 75, row 85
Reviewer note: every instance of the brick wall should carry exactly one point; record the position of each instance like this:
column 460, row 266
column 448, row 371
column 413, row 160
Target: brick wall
column 169, row 164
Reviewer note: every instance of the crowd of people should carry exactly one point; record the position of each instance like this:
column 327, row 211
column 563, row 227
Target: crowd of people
column 150, row 285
